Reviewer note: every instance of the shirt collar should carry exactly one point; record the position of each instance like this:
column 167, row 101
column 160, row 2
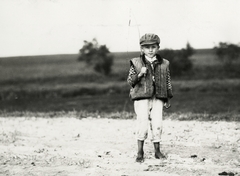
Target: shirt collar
column 151, row 60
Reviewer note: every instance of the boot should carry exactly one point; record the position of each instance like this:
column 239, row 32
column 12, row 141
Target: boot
column 140, row 152
column 158, row 154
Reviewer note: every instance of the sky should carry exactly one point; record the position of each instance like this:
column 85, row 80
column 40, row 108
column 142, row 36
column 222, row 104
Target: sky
column 41, row 27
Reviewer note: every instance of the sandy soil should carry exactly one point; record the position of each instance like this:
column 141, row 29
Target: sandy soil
column 69, row 146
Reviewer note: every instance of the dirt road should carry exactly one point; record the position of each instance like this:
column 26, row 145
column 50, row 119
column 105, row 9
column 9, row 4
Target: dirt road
column 96, row 147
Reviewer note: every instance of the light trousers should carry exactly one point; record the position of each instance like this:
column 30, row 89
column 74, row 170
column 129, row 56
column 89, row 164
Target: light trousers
column 149, row 116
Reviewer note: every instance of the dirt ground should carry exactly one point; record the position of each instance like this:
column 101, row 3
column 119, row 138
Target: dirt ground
column 96, row 147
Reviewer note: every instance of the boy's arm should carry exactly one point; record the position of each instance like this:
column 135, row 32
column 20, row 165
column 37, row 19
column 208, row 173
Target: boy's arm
column 133, row 76
column 167, row 104
column 169, row 84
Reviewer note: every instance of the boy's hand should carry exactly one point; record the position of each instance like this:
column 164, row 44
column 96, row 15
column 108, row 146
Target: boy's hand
column 167, row 104
column 143, row 71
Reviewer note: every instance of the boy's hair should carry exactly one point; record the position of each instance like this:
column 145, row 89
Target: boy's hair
column 149, row 39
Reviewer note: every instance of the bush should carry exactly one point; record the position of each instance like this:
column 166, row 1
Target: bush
column 180, row 62
column 227, row 53
column 97, row 56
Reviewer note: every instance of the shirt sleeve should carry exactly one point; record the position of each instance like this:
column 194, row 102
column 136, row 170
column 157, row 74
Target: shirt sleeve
column 169, row 84
column 132, row 76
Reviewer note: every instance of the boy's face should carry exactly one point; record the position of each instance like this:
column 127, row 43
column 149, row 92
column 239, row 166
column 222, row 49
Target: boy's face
column 150, row 50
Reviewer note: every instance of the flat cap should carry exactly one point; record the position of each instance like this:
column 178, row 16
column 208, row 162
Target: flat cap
column 149, row 39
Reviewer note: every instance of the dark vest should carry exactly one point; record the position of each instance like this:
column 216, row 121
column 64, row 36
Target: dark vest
column 146, row 87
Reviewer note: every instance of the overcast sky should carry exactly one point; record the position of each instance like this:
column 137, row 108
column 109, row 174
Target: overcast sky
column 38, row 27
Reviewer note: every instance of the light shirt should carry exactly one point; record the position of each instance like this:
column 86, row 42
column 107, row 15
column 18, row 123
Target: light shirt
column 151, row 60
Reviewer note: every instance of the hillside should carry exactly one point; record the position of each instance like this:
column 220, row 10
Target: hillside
column 61, row 83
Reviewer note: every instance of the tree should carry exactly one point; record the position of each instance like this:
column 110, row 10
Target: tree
column 227, row 53
column 97, row 56
column 179, row 59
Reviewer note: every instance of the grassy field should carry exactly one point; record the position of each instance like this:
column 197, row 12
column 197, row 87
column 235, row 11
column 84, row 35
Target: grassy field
column 57, row 83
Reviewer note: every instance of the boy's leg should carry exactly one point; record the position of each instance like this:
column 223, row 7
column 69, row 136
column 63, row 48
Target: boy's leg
column 142, row 112
column 156, row 116
column 140, row 153
column 158, row 153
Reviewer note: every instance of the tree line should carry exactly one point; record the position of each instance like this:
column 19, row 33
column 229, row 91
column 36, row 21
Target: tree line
column 101, row 59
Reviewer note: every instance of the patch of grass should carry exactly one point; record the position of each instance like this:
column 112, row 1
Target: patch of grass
column 112, row 115
column 69, row 114
column 60, row 83
column 39, row 67
column 197, row 102
column 62, row 90
column 228, row 116
column 205, row 57
column 200, row 96
column 207, row 85
column 66, row 90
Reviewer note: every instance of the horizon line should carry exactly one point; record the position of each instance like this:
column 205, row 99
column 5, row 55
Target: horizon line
column 77, row 53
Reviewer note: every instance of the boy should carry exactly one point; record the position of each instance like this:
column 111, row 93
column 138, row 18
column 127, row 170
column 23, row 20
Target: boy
column 151, row 89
